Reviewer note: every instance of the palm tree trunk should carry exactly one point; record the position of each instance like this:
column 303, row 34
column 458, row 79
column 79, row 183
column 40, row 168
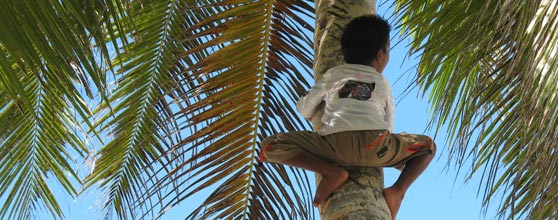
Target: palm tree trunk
column 351, row 201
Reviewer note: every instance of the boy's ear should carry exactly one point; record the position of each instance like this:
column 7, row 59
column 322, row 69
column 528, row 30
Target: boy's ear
column 383, row 52
column 380, row 54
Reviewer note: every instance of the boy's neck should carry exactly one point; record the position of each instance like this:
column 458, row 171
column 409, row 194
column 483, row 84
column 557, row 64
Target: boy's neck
column 377, row 66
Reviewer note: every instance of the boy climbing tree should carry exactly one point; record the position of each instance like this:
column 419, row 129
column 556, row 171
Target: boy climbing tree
column 357, row 122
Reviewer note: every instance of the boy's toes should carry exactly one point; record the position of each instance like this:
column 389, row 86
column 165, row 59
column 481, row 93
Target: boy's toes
column 328, row 184
column 317, row 201
column 320, row 199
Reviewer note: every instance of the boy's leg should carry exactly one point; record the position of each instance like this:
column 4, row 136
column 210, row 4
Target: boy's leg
column 332, row 176
column 413, row 168
column 309, row 151
column 415, row 152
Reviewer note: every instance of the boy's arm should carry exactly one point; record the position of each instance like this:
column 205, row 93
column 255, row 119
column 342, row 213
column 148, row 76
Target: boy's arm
column 308, row 104
column 390, row 109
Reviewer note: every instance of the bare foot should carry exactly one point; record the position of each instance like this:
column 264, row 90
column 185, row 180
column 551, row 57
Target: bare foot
column 329, row 183
column 393, row 198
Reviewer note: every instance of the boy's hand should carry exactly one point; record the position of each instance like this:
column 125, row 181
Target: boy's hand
column 318, row 111
column 301, row 96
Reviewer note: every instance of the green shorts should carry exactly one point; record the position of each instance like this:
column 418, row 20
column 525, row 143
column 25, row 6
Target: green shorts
column 373, row 148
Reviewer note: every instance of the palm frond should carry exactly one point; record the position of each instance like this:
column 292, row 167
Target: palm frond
column 136, row 117
column 490, row 68
column 47, row 55
column 186, row 90
column 236, row 82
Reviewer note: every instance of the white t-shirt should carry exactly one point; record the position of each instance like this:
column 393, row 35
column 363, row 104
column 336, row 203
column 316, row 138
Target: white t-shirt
column 357, row 97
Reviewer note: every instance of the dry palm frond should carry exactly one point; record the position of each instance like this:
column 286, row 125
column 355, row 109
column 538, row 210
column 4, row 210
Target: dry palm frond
column 198, row 86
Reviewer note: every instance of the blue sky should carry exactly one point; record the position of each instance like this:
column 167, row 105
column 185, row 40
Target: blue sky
column 439, row 193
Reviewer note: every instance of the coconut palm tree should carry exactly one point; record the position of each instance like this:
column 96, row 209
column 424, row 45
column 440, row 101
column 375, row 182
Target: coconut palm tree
column 169, row 99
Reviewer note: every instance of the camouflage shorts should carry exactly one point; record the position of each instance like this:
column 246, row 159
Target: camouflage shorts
column 371, row 148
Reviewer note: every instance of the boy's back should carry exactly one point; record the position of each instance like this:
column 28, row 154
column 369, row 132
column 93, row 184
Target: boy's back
column 357, row 98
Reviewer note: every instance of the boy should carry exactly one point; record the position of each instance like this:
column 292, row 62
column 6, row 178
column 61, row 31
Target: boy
column 357, row 121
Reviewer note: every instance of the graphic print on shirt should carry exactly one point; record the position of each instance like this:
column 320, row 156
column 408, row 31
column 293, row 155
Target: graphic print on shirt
column 357, row 90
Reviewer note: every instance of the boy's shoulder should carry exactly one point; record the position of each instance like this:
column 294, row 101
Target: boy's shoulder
column 352, row 70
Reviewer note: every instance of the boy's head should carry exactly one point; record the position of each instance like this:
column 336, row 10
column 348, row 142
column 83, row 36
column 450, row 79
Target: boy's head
column 366, row 40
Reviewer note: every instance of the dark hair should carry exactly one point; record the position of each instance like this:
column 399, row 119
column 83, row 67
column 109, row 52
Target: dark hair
column 363, row 37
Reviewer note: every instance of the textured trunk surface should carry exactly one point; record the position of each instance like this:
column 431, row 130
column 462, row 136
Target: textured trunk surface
column 354, row 201
column 358, row 201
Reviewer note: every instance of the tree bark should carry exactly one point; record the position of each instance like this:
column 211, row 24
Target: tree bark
column 354, row 201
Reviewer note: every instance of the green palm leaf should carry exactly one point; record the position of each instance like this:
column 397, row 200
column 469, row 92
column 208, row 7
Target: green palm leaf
column 491, row 69
column 140, row 74
column 44, row 76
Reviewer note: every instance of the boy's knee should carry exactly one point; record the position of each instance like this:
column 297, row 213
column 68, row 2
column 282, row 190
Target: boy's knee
column 276, row 150
column 431, row 145
column 265, row 147
column 424, row 146
column 266, row 141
